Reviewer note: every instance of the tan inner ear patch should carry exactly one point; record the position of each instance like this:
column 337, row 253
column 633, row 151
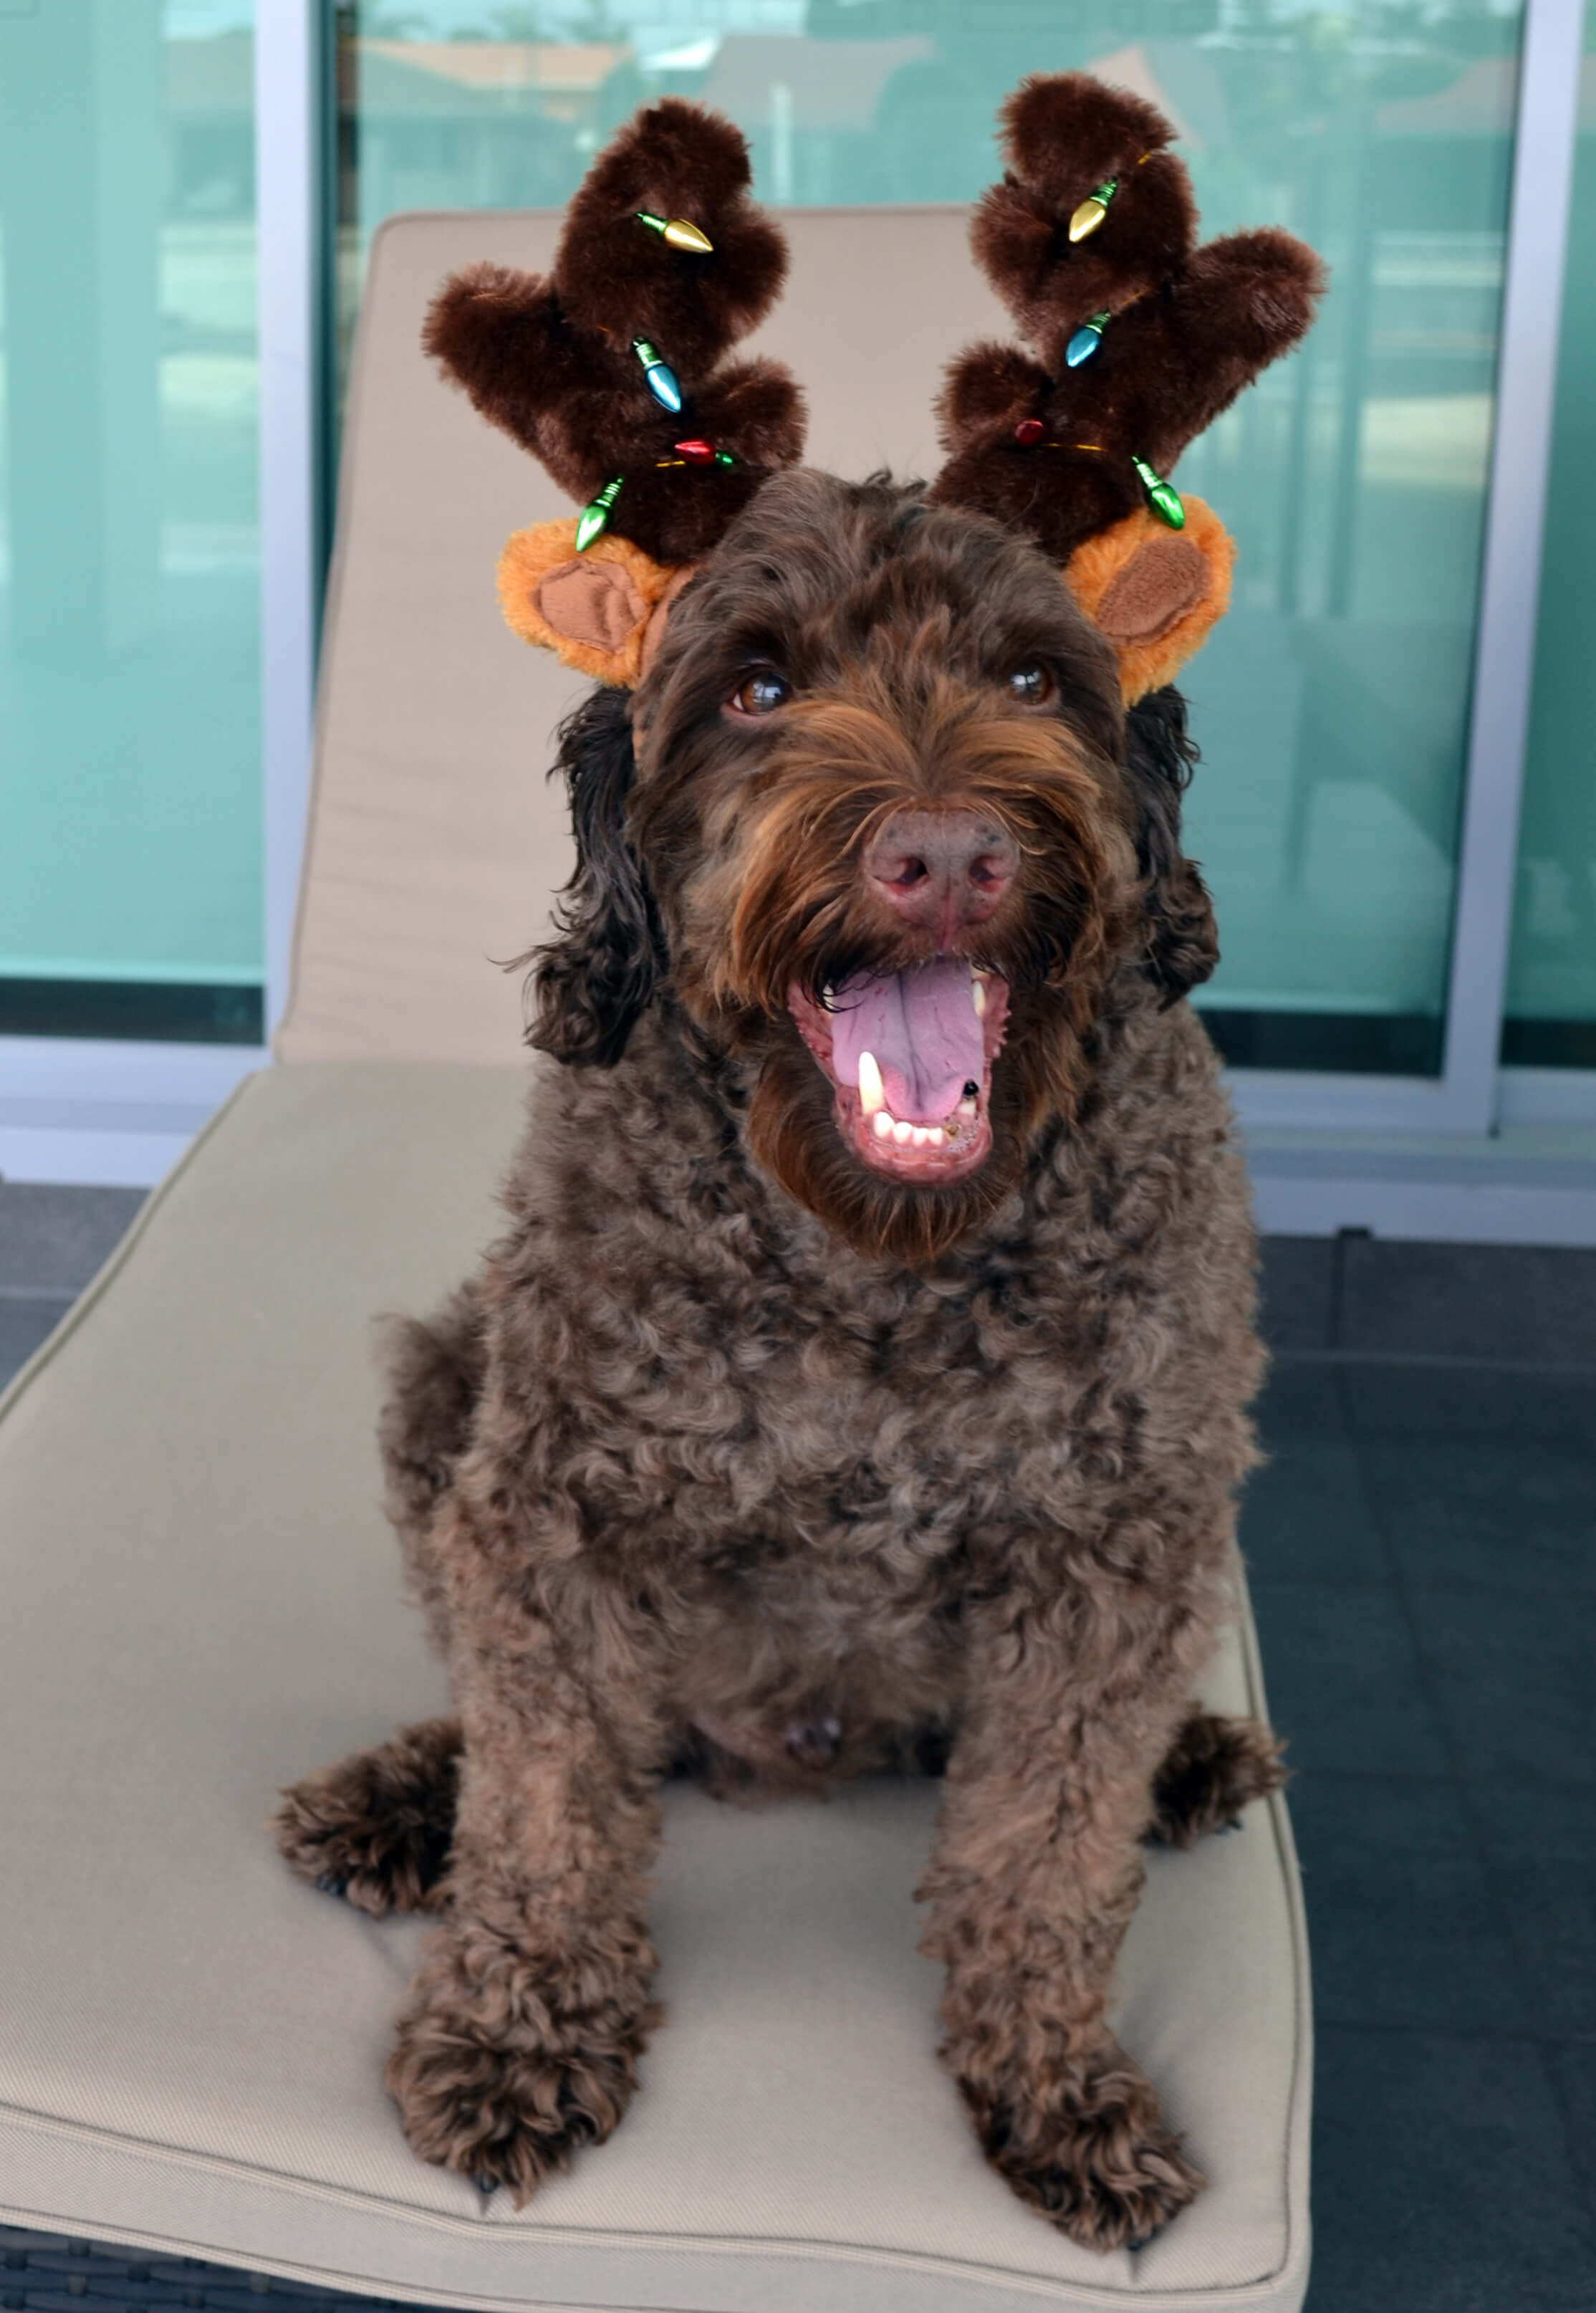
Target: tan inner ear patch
column 592, row 603
column 1154, row 597
column 1163, row 580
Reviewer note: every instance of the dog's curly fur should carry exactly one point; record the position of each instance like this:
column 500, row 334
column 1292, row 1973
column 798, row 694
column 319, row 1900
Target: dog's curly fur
column 745, row 1450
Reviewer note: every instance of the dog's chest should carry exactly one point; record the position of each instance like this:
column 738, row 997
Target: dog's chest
column 820, row 1436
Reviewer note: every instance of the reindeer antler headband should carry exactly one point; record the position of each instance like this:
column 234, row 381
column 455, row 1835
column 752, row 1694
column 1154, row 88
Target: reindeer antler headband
column 611, row 372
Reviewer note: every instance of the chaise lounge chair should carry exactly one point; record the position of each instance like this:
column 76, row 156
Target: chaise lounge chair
column 201, row 1597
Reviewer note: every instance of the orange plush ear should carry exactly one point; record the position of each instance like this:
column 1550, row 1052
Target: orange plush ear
column 1154, row 592
column 603, row 611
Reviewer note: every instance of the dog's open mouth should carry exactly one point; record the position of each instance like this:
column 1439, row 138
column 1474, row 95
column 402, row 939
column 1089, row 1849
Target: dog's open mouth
column 910, row 1054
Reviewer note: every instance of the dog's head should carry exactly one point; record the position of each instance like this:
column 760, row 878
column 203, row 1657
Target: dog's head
column 876, row 815
column 878, row 800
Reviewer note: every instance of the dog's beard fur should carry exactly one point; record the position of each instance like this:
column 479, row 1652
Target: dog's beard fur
column 730, row 867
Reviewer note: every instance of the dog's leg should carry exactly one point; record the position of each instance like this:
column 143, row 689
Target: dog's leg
column 1213, row 1768
column 435, row 1371
column 1036, row 1874
column 377, row 1827
column 521, row 2039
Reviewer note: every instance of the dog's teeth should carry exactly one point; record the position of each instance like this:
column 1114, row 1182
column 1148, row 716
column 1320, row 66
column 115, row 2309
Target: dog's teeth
column 978, row 994
column 827, row 993
column 881, row 1124
column 902, row 1132
column 925, row 1134
column 966, row 1108
column 873, row 1097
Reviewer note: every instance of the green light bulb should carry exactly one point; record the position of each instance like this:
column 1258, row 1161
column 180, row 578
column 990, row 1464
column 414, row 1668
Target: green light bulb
column 1164, row 500
column 594, row 520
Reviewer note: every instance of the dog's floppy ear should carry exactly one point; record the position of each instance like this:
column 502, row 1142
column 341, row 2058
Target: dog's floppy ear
column 1182, row 944
column 1154, row 592
column 590, row 985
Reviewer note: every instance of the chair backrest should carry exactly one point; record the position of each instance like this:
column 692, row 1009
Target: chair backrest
column 437, row 843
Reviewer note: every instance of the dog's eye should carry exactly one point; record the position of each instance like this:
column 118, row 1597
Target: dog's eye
column 1031, row 682
column 762, row 692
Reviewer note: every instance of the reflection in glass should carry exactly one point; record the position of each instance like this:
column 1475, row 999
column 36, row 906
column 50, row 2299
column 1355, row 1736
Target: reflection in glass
column 1332, row 704
column 129, row 757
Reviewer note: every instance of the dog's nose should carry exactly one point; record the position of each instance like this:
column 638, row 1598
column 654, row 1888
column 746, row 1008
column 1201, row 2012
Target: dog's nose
column 942, row 870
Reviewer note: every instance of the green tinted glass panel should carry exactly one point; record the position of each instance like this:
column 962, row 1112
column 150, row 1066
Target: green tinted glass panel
column 1332, row 704
column 1551, row 984
column 130, row 879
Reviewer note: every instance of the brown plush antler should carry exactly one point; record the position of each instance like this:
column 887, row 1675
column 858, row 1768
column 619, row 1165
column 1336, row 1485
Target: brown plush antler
column 556, row 361
column 1170, row 334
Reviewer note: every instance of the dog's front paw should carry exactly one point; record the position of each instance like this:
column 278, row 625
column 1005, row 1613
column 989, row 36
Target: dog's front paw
column 1214, row 1768
column 376, row 1828
column 500, row 2082
column 1098, row 2162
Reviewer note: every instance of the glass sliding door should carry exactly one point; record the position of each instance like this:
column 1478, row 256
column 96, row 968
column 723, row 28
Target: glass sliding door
column 130, row 893
column 1333, row 703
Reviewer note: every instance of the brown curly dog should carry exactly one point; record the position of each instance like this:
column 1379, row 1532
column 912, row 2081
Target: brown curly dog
column 861, row 1379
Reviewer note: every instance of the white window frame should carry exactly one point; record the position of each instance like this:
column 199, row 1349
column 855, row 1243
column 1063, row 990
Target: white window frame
column 289, row 194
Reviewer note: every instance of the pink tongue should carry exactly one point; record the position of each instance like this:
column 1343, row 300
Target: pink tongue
column 922, row 1027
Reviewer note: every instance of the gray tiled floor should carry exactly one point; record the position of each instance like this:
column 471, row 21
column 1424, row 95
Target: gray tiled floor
column 1424, row 1577
column 1423, row 1552
column 52, row 1240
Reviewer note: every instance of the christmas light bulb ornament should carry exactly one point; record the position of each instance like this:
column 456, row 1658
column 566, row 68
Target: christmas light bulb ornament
column 699, row 452
column 1164, row 500
column 1028, row 432
column 660, row 376
column 594, row 519
column 677, row 233
column 1086, row 339
column 1093, row 209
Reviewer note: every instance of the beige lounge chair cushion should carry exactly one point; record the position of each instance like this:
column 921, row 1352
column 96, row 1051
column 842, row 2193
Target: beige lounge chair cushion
column 201, row 1601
